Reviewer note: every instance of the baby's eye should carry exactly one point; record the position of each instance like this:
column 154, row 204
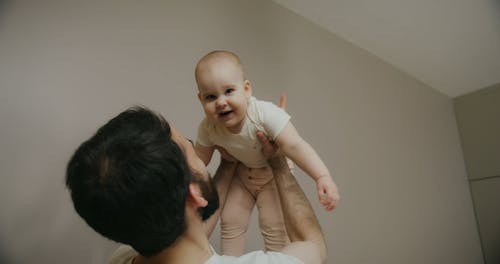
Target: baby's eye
column 229, row 91
column 210, row 97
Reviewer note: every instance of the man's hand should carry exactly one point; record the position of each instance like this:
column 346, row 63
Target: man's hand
column 269, row 149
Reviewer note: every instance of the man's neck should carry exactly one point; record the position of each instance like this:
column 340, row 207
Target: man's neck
column 190, row 248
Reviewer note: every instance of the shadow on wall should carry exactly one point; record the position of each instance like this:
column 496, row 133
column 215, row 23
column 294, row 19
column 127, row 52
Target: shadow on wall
column 3, row 256
column 3, row 5
column 496, row 4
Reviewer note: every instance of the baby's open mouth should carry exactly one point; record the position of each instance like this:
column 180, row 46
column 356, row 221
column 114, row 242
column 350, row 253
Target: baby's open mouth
column 225, row 113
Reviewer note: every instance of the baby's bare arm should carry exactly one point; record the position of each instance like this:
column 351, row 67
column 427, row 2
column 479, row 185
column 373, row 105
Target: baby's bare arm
column 308, row 160
column 298, row 150
column 204, row 153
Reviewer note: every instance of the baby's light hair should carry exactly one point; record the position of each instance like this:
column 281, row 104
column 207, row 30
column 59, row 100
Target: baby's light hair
column 215, row 56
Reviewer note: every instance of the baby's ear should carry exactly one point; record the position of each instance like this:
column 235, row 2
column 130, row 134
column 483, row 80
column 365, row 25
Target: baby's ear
column 248, row 89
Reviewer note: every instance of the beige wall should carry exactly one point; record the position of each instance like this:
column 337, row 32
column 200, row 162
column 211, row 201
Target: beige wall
column 478, row 118
column 68, row 66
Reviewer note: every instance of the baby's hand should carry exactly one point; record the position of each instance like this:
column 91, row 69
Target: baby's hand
column 328, row 192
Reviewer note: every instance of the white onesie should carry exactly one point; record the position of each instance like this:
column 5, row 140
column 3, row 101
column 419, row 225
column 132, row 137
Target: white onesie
column 261, row 115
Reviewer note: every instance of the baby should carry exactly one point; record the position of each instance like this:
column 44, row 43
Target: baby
column 233, row 116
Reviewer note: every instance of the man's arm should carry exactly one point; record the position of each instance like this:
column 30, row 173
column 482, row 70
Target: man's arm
column 222, row 180
column 308, row 243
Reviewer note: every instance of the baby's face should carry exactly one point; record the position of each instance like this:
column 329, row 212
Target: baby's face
column 224, row 93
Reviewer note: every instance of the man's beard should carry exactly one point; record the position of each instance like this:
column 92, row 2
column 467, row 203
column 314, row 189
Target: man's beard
column 210, row 194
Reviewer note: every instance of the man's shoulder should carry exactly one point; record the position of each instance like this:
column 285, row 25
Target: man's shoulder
column 123, row 255
column 255, row 257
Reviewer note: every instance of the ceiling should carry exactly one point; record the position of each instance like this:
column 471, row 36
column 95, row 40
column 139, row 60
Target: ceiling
column 450, row 45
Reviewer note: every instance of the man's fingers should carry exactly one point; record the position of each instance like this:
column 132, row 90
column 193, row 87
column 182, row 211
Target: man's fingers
column 268, row 148
column 266, row 145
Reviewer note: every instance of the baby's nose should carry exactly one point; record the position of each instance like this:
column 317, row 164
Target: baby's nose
column 221, row 102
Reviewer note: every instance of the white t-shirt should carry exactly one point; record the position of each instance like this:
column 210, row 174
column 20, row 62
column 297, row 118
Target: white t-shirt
column 125, row 255
column 261, row 115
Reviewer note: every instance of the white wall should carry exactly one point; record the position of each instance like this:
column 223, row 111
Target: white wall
column 66, row 67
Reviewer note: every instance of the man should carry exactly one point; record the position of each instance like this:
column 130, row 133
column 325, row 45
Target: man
column 139, row 182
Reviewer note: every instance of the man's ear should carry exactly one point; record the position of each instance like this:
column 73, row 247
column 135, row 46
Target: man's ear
column 195, row 195
column 248, row 89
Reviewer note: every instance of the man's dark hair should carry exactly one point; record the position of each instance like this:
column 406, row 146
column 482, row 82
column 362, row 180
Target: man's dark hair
column 129, row 181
